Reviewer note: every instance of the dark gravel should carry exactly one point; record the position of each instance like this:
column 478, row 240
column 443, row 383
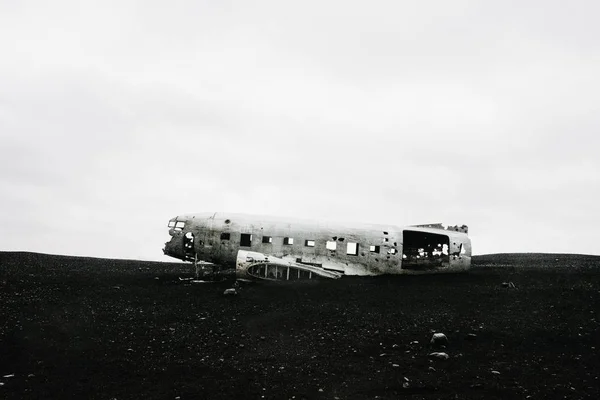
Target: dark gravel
column 74, row 327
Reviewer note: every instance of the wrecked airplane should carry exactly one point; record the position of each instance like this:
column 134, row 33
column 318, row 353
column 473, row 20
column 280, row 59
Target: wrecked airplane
column 268, row 248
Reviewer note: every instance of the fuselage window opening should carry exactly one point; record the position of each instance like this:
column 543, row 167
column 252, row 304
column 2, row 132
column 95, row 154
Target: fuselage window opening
column 246, row 239
column 374, row 249
column 267, row 239
column 309, row 243
column 225, row 235
column 179, row 225
column 331, row 245
column 171, row 224
column 392, row 251
column 288, row 240
column 352, row 248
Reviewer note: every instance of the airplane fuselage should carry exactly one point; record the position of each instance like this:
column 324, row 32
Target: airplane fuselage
column 275, row 248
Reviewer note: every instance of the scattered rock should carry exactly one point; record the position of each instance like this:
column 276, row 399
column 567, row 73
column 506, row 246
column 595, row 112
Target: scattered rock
column 431, row 369
column 471, row 336
column 395, row 365
column 230, row 292
column 439, row 355
column 495, row 372
column 439, row 339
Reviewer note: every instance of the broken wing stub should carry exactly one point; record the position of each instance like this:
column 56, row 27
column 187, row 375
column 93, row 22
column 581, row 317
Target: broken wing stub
column 253, row 265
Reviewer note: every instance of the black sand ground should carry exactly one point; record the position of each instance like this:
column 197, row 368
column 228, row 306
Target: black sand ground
column 92, row 328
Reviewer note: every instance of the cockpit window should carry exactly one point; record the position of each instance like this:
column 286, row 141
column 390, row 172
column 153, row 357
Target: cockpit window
column 171, row 224
column 179, row 225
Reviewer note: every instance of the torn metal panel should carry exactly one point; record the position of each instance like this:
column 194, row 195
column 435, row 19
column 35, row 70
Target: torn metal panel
column 307, row 247
column 456, row 228
column 260, row 266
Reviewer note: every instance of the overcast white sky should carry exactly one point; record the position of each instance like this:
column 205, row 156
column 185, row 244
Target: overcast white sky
column 118, row 115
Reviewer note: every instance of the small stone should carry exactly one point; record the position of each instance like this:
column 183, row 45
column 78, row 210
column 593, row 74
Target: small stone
column 439, row 356
column 320, row 390
column 230, row 292
column 9, row 376
column 471, row 336
column 431, row 369
column 495, row 372
column 395, row 365
column 439, row 339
